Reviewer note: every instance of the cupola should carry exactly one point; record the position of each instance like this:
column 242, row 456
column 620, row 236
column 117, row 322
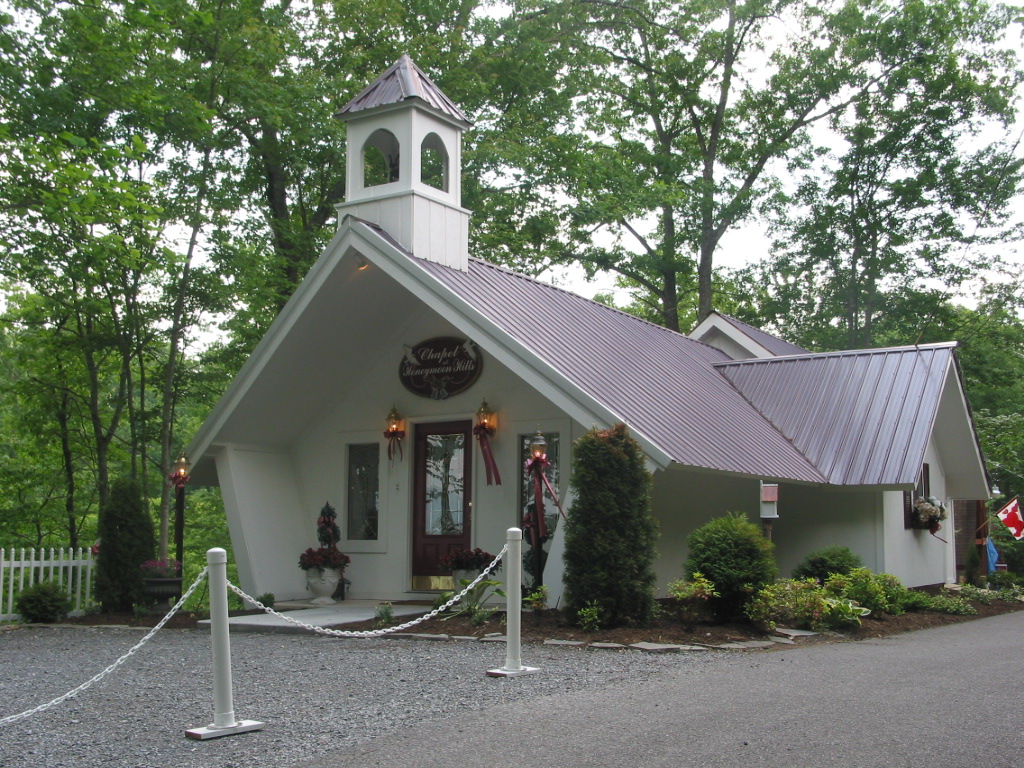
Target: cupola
column 404, row 164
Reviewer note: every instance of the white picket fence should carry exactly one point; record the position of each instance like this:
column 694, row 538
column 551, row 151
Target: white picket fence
column 71, row 568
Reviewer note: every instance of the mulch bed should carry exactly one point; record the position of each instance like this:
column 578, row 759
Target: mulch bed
column 540, row 626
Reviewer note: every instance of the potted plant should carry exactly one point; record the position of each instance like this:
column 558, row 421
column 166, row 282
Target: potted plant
column 161, row 580
column 928, row 513
column 467, row 563
column 325, row 566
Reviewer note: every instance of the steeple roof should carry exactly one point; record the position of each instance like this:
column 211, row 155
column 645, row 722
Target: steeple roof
column 401, row 81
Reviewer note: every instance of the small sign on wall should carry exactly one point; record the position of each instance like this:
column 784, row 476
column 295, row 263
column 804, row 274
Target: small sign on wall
column 440, row 367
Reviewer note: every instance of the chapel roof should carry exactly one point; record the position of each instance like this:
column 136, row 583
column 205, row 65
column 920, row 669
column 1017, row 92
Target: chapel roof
column 847, row 418
column 862, row 417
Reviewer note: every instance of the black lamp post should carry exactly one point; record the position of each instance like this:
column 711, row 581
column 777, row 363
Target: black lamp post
column 179, row 478
column 538, row 460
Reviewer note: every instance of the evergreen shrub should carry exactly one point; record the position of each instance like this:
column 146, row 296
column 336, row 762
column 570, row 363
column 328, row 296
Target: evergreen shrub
column 820, row 563
column 43, row 603
column 126, row 542
column 732, row 553
column 611, row 534
column 972, row 566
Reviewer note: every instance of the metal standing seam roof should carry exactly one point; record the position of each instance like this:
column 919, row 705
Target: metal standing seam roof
column 862, row 417
column 402, row 80
column 773, row 344
column 660, row 383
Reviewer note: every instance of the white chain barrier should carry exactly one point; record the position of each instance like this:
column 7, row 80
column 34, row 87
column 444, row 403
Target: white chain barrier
column 96, row 678
column 375, row 632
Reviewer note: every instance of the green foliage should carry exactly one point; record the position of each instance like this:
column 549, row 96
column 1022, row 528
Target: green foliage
column 537, row 599
column 881, row 592
column 731, row 552
column 690, row 598
column 126, row 541
column 473, row 604
column 589, row 617
column 267, row 599
column 822, row 562
column 1004, row 580
column 383, row 615
column 944, row 602
column 803, row 604
column 977, row 594
column 43, row 603
column 611, row 534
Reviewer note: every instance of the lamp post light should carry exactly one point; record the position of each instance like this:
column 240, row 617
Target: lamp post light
column 536, row 464
column 179, row 478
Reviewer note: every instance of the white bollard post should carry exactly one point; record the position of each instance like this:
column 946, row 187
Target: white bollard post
column 513, row 611
column 224, row 722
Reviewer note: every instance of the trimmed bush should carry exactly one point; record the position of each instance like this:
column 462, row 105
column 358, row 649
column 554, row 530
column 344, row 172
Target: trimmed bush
column 126, row 542
column 732, row 553
column 821, row 563
column 610, row 538
column 43, row 603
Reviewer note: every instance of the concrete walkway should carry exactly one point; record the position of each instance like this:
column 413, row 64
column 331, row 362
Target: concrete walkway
column 342, row 612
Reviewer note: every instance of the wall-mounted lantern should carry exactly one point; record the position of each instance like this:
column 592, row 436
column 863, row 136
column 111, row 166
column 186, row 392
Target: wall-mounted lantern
column 486, row 424
column 394, row 433
column 538, row 447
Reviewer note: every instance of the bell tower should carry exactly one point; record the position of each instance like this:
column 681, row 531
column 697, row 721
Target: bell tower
column 404, row 164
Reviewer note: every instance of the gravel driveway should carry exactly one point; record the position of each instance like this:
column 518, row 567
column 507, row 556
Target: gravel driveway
column 316, row 695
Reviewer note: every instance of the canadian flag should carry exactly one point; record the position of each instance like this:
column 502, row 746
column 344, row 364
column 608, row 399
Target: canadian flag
column 1010, row 515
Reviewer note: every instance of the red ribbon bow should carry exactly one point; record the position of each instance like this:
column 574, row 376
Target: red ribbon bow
column 482, row 432
column 537, row 529
column 394, row 441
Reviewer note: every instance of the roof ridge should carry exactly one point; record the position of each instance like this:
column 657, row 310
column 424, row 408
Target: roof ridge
column 841, row 353
column 521, row 276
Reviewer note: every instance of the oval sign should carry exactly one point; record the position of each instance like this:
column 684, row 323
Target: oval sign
column 441, row 367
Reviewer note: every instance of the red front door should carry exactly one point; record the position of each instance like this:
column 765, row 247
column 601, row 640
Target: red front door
column 441, row 498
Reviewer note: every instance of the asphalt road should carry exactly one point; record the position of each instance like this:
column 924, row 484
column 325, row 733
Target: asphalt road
column 943, row 698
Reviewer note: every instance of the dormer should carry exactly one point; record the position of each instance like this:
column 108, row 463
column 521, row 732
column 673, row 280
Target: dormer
column 404, row 164
column 741, row 341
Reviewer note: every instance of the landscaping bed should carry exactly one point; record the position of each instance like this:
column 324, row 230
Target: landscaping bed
column 551, row 625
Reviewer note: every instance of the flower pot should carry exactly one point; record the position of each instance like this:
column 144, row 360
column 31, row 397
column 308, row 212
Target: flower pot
column 162, row 589
column 323, row 582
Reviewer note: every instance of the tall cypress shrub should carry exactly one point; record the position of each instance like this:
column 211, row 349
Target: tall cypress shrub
column 610, row 537
column 126, row 542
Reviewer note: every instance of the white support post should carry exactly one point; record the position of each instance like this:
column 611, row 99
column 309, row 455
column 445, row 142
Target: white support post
column 224, row 722
column 513, row 611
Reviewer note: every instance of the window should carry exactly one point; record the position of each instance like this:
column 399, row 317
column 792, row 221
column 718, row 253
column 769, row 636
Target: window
column 909, row 497
column 363, row 491
column 380, row 158
column 434, row 162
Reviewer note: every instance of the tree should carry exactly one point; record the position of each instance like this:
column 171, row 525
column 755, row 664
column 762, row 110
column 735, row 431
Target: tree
column 126, row 542
column 907, row 212
column 611, row 534
column 678, row 117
